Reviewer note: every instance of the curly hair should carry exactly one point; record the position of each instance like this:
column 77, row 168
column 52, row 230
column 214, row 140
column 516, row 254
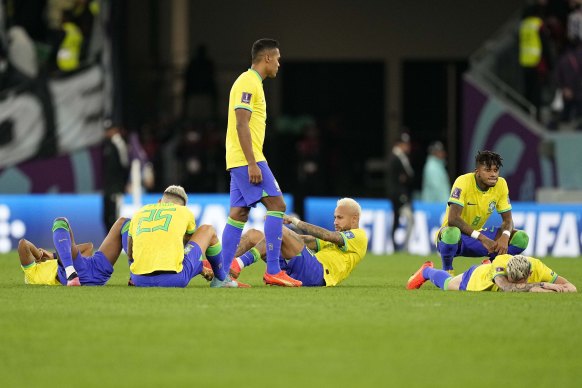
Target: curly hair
column 488, row 158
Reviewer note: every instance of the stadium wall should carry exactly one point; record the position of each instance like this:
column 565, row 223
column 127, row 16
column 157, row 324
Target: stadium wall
column 554, row 230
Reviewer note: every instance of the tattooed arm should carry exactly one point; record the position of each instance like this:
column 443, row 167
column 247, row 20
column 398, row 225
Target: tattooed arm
column 507, row 286
column 309, row 242
column 316, row 231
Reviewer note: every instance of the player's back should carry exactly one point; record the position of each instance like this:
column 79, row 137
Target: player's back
column 157, row 231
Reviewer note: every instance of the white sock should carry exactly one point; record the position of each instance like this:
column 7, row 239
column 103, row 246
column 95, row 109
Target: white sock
column 240, row 262
column 70, row 270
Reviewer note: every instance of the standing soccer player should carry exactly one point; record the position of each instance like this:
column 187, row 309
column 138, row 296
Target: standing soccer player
column 473, row 199
column 251, row 179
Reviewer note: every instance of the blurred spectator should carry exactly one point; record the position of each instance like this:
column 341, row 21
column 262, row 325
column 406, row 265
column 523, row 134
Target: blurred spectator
column 575, row 22
column 115, row 174
column 69, row 51
column 436, row 184
column 569, row 80
column 400, row 179
column 535, row 55
column 200, row 97
column 9, row 75
column 21, row 52
column 138, row 153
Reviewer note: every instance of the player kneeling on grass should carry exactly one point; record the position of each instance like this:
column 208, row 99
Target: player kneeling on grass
column 321, row 258
column 507, row 273
column 72, row 264
column 156, row 245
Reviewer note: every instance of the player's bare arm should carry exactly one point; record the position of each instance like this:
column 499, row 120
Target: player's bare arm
column 456, row 220
column 309, row 242
column 567, row 286
column 502, row 240
column 243, row 131
column 507, row 286
column 130, row 247
column 316, row 231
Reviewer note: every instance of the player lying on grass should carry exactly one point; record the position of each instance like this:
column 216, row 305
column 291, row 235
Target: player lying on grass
column 507, row 273
column 321, row 258
column 473, row 199
column 156, row 250
column 72, row 264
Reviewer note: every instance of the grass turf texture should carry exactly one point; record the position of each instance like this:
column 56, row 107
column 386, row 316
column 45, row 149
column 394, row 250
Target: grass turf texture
column 369, row 331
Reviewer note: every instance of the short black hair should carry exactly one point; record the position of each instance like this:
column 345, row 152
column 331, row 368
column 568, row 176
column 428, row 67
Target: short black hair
column 261, row 46
column 488, row 158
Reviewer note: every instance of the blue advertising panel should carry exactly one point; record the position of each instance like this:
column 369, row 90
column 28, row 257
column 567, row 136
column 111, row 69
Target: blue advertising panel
column 31, row 216
column 553, row 229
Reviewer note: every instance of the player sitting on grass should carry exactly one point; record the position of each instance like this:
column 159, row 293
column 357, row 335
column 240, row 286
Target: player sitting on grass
column 473, row 199
column 336, row 253
column 507, row 273
column 72, row 264
column 156, row 245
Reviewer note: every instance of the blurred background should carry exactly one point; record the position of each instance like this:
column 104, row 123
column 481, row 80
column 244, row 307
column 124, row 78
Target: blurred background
column 112, row 98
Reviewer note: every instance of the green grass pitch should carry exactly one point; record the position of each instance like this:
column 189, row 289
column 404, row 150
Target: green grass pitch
column 368, row 332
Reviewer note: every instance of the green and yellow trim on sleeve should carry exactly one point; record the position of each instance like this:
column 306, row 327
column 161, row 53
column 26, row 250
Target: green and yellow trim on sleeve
column 28, row 265
column 345, row 247
column 457, row 203
column 243, row 107
column 317, row 245
column 504, row 210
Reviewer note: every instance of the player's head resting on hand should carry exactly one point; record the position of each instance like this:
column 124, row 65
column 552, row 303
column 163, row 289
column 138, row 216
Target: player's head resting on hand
column 347, row 214
column 518, row 268
column 175, row 194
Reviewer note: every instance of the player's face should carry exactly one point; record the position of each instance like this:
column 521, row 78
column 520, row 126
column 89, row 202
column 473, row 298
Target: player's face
column 272, row 59
column 343, row 219
column 487, row 176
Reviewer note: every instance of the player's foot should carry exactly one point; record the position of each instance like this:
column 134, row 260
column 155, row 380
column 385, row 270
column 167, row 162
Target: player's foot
column 73, row 280
column 207, row 272
column 228, row 282
column 417, row 280
column 281, row 279
column 486, row 261
column 235, row 269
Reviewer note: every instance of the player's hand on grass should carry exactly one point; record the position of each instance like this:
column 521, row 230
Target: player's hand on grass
column 255, row 174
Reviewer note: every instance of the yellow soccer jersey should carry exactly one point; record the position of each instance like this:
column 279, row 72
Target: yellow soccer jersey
column 44, row 273
column 157, row 231
column 246, row 93
column 482, row 277
column 478, row 205
column 339, row 262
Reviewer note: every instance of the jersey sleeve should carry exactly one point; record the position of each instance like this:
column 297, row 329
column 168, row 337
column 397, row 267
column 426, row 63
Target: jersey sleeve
column 244, row 94
column 542, row 272
column 503, row 205
column 458, row 192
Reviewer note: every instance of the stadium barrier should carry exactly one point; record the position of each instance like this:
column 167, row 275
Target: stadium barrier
column 554, row 230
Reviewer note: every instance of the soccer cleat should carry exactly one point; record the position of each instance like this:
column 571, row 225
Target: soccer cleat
column 73, row 281
column 486, row 261
column 207, row 272
column 228, row 282
column 417, row 280
column 235, row 269
column 281, row 279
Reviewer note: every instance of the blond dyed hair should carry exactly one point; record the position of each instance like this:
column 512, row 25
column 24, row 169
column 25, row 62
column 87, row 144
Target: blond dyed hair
column 176, row 191
column 518, row 268
column 351, row 204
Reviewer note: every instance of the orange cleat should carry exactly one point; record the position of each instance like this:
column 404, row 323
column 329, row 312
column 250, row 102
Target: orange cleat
column 235, row 269
column 74, row 282
column 281, row 279
column 486, row 261
column 417, row 280
column 207, row 272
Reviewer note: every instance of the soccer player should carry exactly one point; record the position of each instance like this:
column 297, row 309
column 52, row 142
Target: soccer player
column 156, row 245
column 43, row 267
column 507, row 273
column 473, row 199
column 321, row 258
column 251, row 179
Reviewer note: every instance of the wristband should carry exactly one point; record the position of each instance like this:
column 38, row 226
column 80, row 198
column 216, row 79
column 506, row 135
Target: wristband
column 507, row 233
column 475, row 234
column 294, row 221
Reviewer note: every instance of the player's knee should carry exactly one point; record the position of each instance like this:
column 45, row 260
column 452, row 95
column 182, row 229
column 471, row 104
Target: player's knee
column 22, row 243
column 520, row 239
column 60, row 223
column 450, row 235
column 240, row 214
column 254, row 236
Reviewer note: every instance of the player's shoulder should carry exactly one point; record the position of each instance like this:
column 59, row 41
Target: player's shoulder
column 246, row 78
column 357, row 233
column 465, row 179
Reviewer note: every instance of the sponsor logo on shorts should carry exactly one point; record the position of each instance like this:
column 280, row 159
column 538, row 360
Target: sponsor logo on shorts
column 246, row 98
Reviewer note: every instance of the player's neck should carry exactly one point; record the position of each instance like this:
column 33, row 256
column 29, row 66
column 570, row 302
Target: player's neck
column 259, row 69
